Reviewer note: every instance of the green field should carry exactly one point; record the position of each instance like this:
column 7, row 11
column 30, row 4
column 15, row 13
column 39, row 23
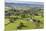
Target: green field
column 23, row 19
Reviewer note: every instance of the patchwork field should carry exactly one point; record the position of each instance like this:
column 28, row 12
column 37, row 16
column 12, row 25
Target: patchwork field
column 24, row 18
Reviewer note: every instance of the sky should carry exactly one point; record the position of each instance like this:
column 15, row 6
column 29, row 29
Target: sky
column 21, row 1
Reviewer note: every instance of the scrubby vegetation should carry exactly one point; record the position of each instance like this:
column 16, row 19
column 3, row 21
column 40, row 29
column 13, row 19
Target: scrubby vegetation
column 31, row 18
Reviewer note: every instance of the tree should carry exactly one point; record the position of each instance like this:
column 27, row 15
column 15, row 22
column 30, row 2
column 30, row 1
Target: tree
column 23, row 15
column 21, row 25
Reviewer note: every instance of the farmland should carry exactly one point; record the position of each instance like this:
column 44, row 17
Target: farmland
column 23, row 18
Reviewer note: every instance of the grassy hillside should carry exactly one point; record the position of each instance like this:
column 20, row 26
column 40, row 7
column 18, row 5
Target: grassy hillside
column 23, row 18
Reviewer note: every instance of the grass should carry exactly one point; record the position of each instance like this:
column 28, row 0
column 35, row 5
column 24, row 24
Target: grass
column 15, row 19
column 29, row 24
column 13, row 26
column 38, row 17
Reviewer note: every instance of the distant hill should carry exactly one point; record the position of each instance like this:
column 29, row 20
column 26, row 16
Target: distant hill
column 14, row 5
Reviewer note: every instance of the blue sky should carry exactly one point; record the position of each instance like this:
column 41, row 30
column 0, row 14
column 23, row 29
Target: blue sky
column 19, row 1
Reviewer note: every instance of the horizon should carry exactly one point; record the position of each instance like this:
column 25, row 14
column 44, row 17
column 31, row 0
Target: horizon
column 25, row 1
column 41, row 3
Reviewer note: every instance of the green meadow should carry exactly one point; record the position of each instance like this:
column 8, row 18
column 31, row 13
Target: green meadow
column 20, row 19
